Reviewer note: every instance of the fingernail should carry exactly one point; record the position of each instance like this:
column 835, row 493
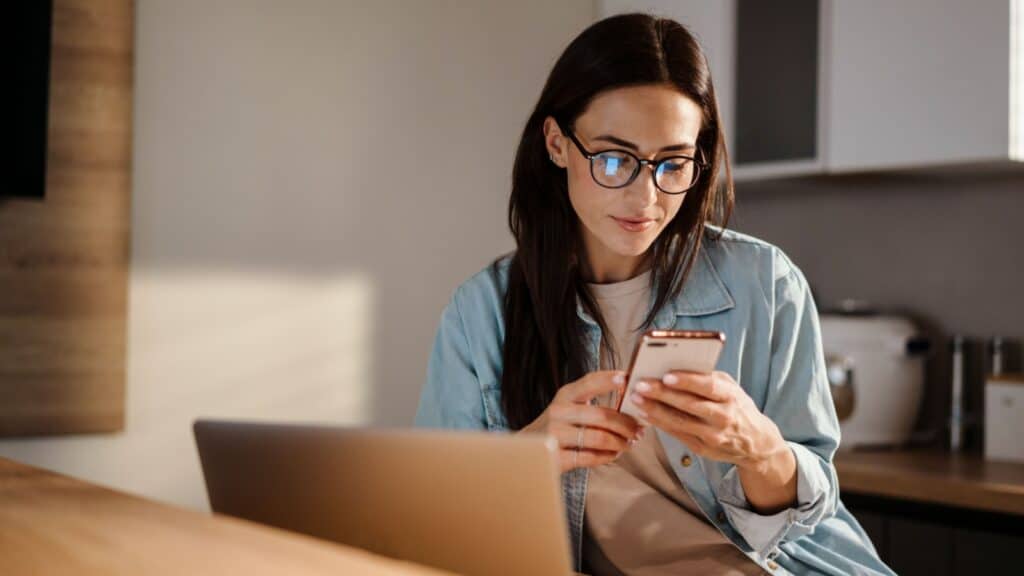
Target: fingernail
column 619, row 378
column 633, row 441
column 636, row 398
column 670, row 379
column 643, row 386
column 640, row 433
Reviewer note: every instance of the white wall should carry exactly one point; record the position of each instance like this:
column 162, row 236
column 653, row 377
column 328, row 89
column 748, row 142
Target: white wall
column 312, row 178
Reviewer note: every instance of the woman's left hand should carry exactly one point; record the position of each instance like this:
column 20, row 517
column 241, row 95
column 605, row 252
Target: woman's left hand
column 712, row 415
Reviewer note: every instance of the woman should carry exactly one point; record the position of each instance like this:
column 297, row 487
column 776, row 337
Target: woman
column 619, row 225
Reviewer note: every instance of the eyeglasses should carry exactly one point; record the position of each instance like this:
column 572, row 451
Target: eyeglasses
column 616, row 168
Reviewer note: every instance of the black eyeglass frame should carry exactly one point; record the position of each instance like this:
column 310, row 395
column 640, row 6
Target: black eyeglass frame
column 699, row 165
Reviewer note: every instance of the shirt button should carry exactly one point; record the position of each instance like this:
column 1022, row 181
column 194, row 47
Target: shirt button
column 686, row 461
column 772, row 565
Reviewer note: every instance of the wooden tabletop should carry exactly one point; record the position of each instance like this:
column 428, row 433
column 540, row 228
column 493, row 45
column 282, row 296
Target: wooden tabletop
column 53, row 524
column 964, row 480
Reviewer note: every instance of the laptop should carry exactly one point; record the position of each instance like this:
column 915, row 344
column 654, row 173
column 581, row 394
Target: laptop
column 474, row 503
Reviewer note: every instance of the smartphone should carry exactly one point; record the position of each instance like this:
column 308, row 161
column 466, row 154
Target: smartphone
column 658, row 352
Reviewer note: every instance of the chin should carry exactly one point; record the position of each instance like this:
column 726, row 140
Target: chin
column 634, row 246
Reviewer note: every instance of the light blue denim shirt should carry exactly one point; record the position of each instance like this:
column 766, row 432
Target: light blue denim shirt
column 747, row 289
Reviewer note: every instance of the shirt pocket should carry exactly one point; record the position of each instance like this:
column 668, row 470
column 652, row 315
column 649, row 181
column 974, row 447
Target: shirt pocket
column 494, row 414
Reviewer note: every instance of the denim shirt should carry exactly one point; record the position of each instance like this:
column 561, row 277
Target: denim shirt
column 752, row 292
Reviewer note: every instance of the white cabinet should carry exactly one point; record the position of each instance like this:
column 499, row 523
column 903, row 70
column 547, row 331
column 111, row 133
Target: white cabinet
column 815, row 86
column 917, row 82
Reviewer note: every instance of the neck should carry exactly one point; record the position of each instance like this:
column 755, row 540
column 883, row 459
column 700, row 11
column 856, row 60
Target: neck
column 605, row 268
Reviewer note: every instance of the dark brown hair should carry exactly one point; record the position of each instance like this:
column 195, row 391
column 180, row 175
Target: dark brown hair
column 543, row 346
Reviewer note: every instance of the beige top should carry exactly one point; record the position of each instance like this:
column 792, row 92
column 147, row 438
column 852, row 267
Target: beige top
column 639, row 519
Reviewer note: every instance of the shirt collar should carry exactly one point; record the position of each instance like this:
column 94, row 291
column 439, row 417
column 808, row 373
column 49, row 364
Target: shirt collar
column 703, row 293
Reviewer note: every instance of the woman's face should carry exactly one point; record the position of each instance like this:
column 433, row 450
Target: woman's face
column 652, row 122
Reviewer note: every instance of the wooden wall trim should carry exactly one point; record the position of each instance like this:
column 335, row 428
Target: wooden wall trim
column 64, row 260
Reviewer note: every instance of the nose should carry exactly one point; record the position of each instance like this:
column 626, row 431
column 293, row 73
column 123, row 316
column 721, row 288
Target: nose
column 642, row 190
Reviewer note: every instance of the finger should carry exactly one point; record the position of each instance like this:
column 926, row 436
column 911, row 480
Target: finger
column 569, row 459
column 603, row 417
column 595, row 384
column 705, row 385
column 589, row 438
column 670, row 419
column 708, row 411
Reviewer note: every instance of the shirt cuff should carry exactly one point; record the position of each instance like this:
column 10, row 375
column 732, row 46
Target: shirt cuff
column 764, row 533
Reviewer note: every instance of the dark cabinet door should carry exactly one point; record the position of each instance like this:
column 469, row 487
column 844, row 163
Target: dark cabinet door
column 920, row 547
column 983, row 552
column 917, row 538
column 875, row 525
column 776, row 81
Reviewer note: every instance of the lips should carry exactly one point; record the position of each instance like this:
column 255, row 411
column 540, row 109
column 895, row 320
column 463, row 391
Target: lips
column 634, row 224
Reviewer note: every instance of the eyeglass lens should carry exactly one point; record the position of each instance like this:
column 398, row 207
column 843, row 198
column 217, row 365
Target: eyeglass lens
column 615, row 169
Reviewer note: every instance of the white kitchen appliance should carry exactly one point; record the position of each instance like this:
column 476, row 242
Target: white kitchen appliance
column 1004, row 417
column 876, row 370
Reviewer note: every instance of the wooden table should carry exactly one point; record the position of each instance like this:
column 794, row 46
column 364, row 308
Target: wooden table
column 53, row 524
column 962, row 480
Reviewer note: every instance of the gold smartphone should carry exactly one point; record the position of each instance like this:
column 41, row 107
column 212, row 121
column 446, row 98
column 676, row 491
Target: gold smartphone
column 658, row 352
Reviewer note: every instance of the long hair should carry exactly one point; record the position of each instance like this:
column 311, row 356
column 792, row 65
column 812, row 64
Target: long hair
column 543, row 347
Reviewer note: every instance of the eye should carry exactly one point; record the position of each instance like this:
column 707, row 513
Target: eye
column 674, row 165
column 612, row 163
column 676, row 174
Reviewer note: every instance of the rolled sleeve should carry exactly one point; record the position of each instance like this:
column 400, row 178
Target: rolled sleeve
column 764, row 532
column 800, row 403
column 451, row 396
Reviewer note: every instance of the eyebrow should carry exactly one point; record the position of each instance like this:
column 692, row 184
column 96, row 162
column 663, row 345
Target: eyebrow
column 687, row 147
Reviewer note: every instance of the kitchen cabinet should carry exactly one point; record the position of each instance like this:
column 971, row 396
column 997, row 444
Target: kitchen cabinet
column 919, row 82
column 984, row 551
column 908, row 557
column 930, row 512
column 823, row 86
column 928, row 540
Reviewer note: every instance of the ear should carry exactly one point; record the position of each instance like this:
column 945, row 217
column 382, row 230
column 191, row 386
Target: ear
column 556, row 143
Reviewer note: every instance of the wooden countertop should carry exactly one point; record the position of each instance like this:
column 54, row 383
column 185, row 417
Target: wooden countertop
column 964, row 480
column 53, row 524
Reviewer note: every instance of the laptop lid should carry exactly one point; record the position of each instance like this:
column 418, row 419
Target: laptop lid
column 469, row 502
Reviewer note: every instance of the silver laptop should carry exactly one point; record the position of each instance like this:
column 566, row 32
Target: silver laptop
column 475, row 503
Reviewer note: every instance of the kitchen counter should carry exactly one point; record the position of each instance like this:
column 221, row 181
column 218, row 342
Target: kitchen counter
column 53, row 524
column 961, row 480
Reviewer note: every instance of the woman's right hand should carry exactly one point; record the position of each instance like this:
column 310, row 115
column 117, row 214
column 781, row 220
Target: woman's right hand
column 605, row 431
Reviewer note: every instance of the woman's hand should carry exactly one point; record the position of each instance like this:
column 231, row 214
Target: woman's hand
column 716, row 418
column 588, row 436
